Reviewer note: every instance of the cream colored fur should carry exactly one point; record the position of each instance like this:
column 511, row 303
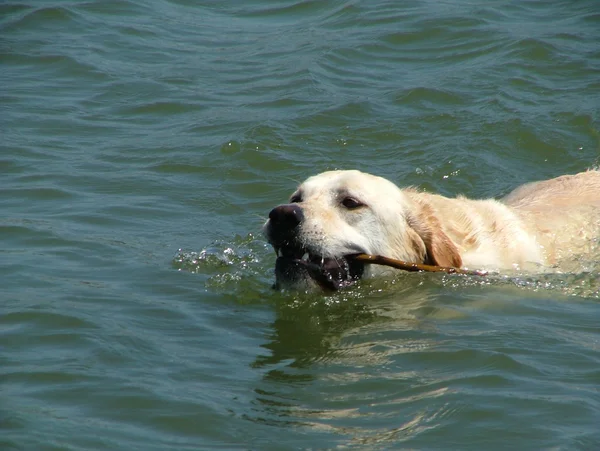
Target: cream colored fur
column 539, row 226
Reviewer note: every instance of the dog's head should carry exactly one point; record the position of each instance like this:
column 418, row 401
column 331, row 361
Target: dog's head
column 336, row 214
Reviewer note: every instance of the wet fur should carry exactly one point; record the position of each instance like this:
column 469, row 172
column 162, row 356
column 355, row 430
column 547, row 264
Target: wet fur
column 538, row 226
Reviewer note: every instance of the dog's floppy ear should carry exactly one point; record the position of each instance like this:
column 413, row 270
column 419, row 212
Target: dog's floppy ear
column 441, row 250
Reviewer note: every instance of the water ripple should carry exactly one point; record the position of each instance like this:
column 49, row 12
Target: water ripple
column 143, row 144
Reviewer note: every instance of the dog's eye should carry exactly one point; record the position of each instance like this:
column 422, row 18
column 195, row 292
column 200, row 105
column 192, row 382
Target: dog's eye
column 350, row 203
column 295, row 199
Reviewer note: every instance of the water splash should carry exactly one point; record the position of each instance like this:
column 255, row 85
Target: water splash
column 246, row 263
column 236, row 266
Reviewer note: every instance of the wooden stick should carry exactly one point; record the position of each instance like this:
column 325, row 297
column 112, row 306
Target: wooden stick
column 413, row 267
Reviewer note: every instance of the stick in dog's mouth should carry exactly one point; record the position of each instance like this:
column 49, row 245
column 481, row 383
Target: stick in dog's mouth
column 413, row 267
column 334, row 273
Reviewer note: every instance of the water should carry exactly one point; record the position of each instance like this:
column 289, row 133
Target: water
column 143, row 144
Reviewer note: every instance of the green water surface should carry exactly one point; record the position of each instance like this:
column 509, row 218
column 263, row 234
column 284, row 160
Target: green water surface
column 142, row 145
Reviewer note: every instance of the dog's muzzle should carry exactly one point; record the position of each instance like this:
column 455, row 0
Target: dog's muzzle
column 296, row 263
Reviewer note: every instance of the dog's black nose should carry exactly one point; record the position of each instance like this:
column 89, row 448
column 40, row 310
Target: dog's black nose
column 286, row 216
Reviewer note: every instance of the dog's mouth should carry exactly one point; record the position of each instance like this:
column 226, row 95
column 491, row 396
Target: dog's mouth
column 330, row 273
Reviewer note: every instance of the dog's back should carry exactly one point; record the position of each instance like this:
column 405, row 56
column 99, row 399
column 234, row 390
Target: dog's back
column 565, row 191
column 564, row 213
